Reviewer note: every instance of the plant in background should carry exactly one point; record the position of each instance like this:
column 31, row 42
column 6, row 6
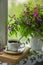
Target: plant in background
column 30, row 23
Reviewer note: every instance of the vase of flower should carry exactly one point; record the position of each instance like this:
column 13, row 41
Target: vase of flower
column 36, row 43
column 29, row 24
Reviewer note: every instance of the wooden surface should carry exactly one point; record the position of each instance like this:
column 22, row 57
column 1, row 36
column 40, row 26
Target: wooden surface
column 13, row 58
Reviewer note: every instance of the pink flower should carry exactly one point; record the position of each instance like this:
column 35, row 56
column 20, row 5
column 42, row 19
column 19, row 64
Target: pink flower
column 35, row 14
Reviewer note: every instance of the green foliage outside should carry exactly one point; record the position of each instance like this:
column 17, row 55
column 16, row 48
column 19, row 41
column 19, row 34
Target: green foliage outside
column 14, row 9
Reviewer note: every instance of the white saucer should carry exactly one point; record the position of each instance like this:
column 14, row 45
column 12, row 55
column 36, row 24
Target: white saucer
column 13, row 52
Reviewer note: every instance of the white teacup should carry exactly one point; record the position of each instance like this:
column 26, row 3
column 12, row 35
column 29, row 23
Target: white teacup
column 14, row 45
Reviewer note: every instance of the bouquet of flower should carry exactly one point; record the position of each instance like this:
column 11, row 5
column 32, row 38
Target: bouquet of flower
column 30, row 23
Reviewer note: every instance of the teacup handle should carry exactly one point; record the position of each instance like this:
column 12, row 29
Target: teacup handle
column 22, row 45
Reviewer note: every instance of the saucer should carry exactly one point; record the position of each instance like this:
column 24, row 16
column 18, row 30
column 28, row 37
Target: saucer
column 14, row 52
